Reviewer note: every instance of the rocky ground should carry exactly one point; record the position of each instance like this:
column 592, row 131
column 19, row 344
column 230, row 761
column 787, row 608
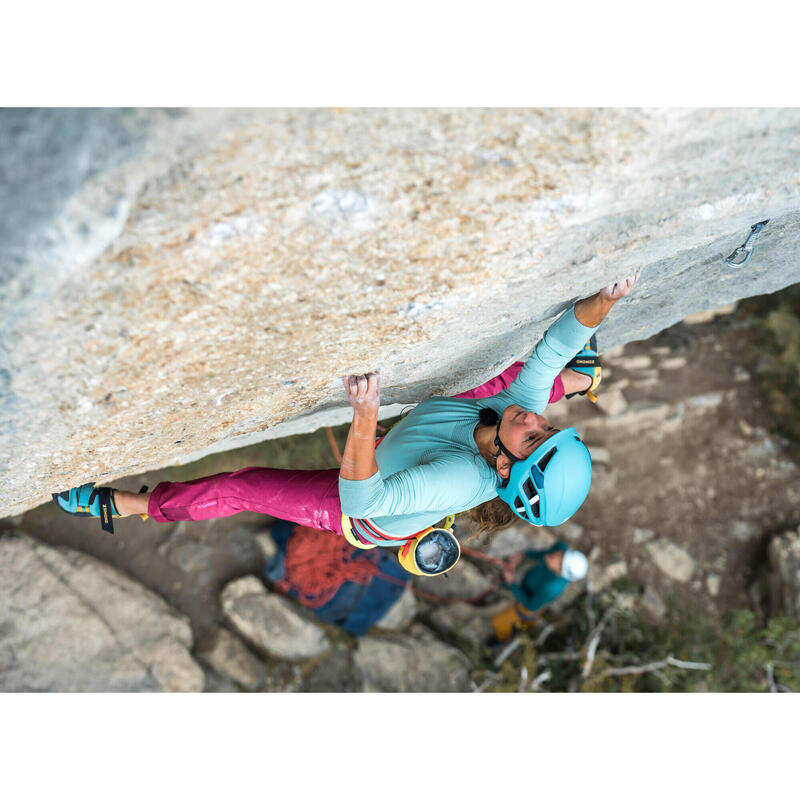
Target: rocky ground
column 691, row 486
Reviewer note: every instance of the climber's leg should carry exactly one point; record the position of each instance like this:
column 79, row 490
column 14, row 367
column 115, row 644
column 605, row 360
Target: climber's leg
column 307, row 497
column 573, row 381
column 565, row 383
column 128, row 503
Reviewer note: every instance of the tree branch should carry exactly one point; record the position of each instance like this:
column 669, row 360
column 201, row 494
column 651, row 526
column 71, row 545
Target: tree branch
column 674, row 662
column 540, row 679
column 594, row 641
column 669, row 661
column 546, row 631
column 523, row 679
column 771, row 679
column 487, row 683
column 559, row 657
column 507, row 651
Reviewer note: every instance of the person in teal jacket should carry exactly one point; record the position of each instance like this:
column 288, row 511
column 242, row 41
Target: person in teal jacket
column 553, row 569
column 450, row 454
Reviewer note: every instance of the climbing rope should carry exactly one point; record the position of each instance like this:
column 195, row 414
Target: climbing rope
column 335, row 447
column 317, row 566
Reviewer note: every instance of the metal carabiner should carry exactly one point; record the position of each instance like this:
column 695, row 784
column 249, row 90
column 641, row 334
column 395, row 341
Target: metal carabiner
column 747, row 247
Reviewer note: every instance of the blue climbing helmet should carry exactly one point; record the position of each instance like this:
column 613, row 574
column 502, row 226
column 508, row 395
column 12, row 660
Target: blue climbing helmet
column 549, row 486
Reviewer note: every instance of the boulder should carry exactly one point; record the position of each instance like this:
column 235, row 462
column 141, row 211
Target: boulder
column 600, row 455
column 635, row 363
column 744, row 530
column 266, row 545
column 600, row 578
column 613, row 402
column 464, row 621
column 571, row 531
column 707, row 401
column 213, row 231
column 333, row 672
column 651, row 603
column 227, row 655
column 641, row 535
column 408, row 664
column 517, row 537
column 672, row 559
column 188, row 553
column 402, row 613
column 464, row 582
column 69, row 623
column 784, row 559
column 637, row 416
column 272, row 624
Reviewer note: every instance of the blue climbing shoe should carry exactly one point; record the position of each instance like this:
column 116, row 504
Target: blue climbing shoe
column 88, row 501
column 588, row 362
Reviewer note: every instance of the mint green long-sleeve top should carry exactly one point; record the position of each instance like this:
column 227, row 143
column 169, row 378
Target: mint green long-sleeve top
column 429, row 465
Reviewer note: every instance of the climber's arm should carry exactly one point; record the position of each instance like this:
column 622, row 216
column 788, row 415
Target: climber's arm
column 358, row 459
column 560, row 342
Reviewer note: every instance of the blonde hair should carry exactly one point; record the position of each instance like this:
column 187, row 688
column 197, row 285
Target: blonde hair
column 490, row 517
column 494, row 514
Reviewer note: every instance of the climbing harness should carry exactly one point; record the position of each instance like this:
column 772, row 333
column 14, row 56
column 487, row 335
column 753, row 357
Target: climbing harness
column 745, row 249
column 432, row 551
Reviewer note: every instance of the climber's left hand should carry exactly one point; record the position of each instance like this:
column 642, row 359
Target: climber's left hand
column 363, row 391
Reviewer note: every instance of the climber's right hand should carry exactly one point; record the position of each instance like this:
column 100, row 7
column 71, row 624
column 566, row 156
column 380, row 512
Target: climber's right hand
column 619, row 289
column 363, row 391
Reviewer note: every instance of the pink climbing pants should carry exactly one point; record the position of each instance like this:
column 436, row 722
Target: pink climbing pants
column 306, row 497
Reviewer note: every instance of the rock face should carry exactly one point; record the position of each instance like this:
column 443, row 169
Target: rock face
column 69, row 623
column 175, row 283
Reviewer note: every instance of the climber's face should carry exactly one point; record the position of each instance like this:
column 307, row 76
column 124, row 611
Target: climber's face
column 555, row 561
column 521, row 432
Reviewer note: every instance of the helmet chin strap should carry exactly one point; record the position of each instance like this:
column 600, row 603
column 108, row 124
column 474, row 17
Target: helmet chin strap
column 510, row 456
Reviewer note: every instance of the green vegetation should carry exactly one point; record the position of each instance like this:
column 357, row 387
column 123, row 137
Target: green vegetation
column 777, row 318
column 633, row 655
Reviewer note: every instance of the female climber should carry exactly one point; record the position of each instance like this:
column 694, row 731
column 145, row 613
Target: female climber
column 488, row 449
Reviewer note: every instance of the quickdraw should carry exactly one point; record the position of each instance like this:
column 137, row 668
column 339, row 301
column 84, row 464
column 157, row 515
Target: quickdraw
column 745, row 249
